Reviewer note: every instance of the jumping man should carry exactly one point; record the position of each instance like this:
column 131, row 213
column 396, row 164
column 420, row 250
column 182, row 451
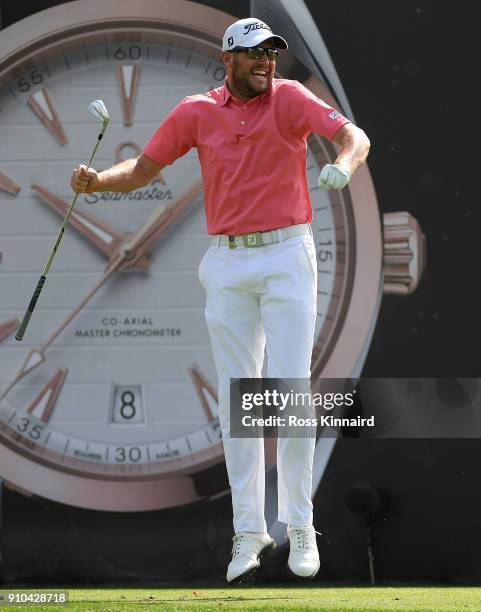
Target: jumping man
column 260, row 271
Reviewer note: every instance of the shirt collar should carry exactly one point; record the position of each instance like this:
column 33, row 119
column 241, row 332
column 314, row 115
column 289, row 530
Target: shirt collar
column 226, row 94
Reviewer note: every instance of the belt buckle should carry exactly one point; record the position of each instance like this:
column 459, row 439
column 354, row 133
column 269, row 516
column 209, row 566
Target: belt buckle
column 254, row 239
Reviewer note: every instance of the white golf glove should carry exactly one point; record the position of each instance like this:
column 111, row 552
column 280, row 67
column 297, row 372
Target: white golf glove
column 333, row 177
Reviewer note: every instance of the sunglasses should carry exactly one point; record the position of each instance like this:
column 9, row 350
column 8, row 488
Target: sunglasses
column 256, row 53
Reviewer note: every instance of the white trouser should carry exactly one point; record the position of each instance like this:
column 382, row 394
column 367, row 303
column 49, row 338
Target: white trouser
column 256, row 298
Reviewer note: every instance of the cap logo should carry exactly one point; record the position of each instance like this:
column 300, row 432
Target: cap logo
column 250, row 27
column 230, row 41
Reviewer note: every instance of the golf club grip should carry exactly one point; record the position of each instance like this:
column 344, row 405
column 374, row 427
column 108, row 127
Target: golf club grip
column 24, row 324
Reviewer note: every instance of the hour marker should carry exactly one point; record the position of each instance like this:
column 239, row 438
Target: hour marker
column 34, row 359
column 6, row 184
column 8, row 327
column 42, row 105
column 43, row 405
column 202, row 385
column 128, row 79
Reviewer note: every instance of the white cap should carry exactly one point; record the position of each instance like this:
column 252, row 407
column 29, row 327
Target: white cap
column 250, row 33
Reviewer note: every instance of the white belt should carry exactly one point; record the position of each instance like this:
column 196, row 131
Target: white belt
column 257, row 239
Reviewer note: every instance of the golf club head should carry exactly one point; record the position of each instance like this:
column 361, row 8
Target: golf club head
column 100, row 112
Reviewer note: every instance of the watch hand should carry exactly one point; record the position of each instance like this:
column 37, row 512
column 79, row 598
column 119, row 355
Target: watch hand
column 136, row 246
column 98, row 232
column 126, row 254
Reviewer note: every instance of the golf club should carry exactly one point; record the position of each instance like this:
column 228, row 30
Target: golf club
column 99, row 111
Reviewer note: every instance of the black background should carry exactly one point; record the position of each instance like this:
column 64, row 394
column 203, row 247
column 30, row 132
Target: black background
column 410, row 70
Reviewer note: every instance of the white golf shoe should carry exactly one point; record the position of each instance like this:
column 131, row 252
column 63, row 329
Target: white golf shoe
column 247, row 550
column 303, row 559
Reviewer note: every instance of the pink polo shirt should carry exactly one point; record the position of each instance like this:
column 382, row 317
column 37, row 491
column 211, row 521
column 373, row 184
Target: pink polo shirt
column 252, row 154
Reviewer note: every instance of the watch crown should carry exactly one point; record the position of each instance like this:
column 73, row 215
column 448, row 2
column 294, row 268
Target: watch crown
column 404, row 253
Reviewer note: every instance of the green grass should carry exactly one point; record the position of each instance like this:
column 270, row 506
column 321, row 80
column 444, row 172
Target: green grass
column 352, row 599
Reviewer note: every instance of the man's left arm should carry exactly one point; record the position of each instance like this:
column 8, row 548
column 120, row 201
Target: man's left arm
column 354, row 150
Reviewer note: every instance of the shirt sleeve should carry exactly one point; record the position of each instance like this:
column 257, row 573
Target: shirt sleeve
column 311, row 114
column 174, row 137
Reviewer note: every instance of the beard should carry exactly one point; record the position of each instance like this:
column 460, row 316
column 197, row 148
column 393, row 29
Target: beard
column 244, row 82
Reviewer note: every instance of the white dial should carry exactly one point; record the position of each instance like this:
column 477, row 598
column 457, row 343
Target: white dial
column 127, row 395
column 115, row 379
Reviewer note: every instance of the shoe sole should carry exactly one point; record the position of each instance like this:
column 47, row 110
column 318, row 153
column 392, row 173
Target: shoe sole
column 250, row 572
column 302, row 578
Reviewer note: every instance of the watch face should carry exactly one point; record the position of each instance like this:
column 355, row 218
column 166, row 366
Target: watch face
column 115, row 380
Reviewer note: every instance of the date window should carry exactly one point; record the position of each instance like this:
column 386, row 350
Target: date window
column 127, row 404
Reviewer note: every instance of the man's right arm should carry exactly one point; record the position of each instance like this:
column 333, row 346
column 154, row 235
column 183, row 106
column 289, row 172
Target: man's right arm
column 172, row 140
column 125, row 176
